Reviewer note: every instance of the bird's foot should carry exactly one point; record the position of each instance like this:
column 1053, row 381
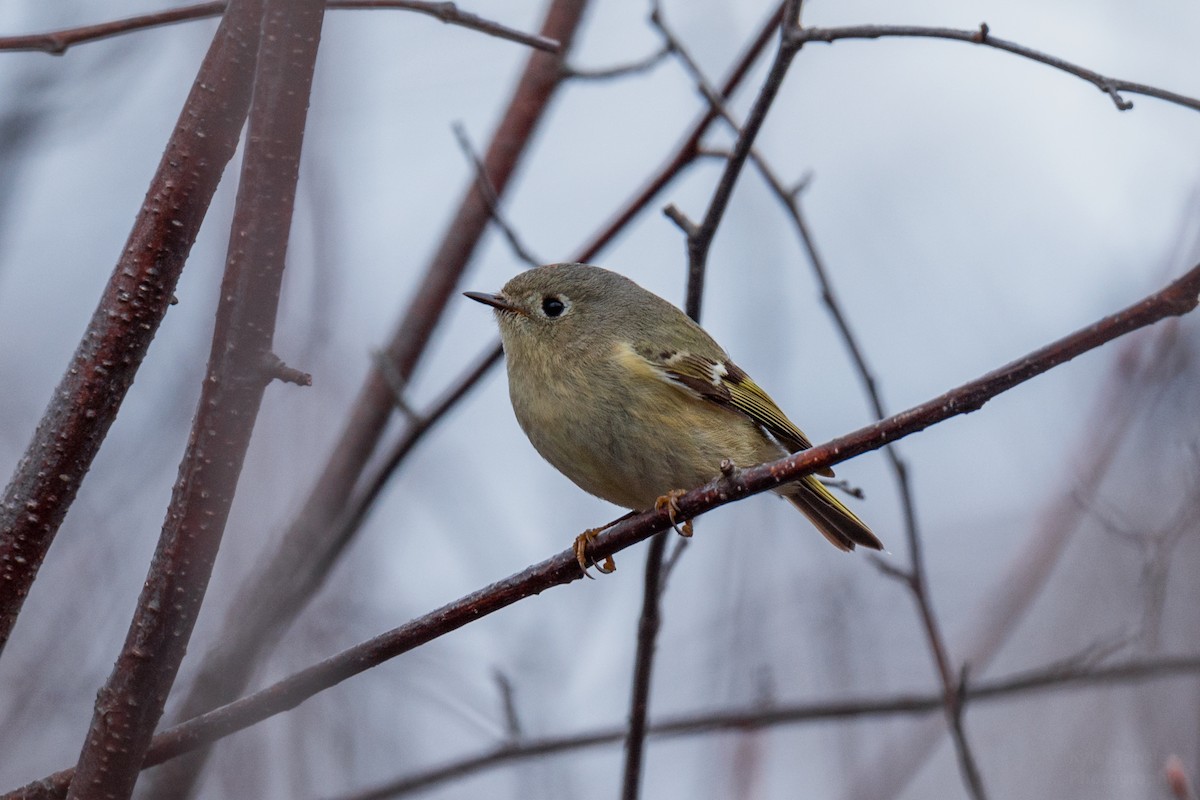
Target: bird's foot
column 582, row 541
column 670, row 501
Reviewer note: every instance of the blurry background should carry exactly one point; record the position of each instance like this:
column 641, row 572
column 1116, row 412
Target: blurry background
column 970, row 206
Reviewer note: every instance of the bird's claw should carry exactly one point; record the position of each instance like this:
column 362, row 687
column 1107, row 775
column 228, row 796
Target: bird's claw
column 582, row 541
column 670, row 501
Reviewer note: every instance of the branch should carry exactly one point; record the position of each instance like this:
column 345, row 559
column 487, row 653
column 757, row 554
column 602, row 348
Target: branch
column 492, row 199
column 621, row 70
column 643, row 666
column 450, row 14
column 689, row 149
column 1113, row 87
column 756, row 718
column 1178, row 298
column 137, row 296
column 240, row 367
column 699, row 241
column 57, row 42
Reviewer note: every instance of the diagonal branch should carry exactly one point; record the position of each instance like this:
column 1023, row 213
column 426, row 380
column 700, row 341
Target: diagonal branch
column 133, row 305
column 1178, row 298
column 700, row 237
column 689, row 149
column 57, row 42
column 240, row 367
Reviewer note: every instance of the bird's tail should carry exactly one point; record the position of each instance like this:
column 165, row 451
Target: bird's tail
column 836, row 523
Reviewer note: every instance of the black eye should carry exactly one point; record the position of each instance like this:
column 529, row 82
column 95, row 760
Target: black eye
column 553, row 306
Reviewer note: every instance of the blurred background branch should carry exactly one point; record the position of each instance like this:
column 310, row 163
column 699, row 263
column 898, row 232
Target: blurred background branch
column 57, row 42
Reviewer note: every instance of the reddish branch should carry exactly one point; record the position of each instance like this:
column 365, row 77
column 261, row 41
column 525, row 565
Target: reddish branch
column 1179, row 298
column 240, row 366
column 138, row 294
column 57, row 42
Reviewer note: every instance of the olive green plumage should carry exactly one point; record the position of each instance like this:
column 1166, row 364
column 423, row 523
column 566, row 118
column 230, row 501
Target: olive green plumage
column 629, row 398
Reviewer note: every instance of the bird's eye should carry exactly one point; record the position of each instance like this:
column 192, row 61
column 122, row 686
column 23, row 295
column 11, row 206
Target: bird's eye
column 553, row 306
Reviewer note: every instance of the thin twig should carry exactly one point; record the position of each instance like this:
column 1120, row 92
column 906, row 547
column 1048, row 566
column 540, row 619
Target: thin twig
column 508, row 702
column 643, row 667
column 689, row 148
column 1113, row 87
column 491, row 198
column 638, row 67
column 452, row 15
column 915, row 576
column 700, row 243
column 649, row 622
column 1176, row 299
column 57, row 42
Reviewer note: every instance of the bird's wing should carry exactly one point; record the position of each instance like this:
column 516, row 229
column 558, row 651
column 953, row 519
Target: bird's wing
column 726, row 384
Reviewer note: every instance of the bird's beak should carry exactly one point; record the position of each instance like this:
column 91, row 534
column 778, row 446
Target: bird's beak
column 494, row 300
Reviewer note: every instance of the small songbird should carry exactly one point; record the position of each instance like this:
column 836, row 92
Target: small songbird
column 629, row 398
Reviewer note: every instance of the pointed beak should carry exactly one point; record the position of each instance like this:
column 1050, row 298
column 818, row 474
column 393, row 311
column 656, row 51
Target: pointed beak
column 493, row 300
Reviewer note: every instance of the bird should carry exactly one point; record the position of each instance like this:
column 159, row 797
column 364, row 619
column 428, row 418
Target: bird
column 635, row 403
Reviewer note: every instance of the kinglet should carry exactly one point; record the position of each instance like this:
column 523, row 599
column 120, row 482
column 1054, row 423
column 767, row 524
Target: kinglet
column 631, row 400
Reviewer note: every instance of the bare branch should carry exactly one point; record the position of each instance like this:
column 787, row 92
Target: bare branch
column 493, row 201
column 699, row 243
column 452, row 15
column 1113, row 87
column 277, row 370
column 512, row 720
column 689, row 148
column 643, row 667
column 1177, row 779
column 57, row 42
column 638, row 67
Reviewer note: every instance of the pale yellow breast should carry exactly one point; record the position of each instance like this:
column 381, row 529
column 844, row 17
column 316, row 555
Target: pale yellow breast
column 623, row 432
